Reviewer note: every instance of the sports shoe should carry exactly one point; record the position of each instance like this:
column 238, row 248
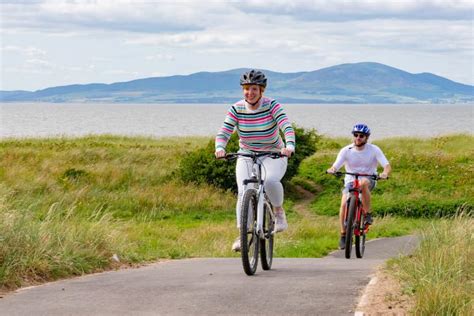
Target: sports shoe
column 236, row 245
column 280, row 222
column 368, row 219
column 342, row 242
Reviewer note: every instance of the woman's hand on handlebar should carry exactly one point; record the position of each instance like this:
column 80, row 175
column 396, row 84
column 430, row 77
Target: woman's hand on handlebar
column 287, row 152
column 220, row 154
column 331, row 170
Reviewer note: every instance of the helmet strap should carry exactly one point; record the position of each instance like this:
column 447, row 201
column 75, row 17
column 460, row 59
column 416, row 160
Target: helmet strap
column 255, row 103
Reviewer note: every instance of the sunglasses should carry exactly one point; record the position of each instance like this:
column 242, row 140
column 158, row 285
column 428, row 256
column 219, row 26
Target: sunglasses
column 358, row 135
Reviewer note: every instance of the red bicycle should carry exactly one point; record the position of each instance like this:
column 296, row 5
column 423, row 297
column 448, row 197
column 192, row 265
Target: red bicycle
column 354, row 216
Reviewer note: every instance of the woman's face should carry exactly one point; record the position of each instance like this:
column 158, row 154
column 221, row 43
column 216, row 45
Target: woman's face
column 252, row 93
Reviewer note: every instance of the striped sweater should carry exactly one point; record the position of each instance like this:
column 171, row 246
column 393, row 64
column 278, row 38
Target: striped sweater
column 258, row 130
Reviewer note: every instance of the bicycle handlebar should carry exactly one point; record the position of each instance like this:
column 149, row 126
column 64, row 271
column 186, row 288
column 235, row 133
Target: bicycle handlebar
column 273, row 155
column 373, row 176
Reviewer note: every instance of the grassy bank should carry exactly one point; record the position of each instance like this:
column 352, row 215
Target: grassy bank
column 440, row 274
column 68, row 205
column 431, row 177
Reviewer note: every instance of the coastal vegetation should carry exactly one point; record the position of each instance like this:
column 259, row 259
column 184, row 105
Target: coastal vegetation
column 440, row 273
column 70, row 206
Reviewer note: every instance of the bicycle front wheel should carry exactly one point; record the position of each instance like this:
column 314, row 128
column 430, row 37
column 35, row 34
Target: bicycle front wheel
column 351, row 209
column 249, row 240
column 360, row 238
column 266, row 244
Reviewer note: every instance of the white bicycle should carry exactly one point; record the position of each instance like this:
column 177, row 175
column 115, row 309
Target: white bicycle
column 257, row 220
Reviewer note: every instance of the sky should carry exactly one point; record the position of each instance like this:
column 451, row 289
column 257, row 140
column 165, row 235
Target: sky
column 53, row 43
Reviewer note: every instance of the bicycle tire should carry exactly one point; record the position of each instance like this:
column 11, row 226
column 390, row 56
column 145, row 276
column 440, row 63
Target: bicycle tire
column 351, row 208
column 360, row 240
column 248, row 232
column 266, row 244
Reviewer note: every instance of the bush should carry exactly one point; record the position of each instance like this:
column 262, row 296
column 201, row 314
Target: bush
column 200, row 166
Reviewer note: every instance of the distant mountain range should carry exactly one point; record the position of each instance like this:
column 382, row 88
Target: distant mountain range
column 346, row 83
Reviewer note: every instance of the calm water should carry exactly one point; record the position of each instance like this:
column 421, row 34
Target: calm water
column 44, row 120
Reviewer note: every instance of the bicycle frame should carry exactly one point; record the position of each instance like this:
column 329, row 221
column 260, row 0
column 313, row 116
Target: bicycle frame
column 356, row 191
column 355, row 226
column 256, row 177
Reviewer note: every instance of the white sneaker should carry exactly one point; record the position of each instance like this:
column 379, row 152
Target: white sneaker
column 236, row 245
column 280, row 222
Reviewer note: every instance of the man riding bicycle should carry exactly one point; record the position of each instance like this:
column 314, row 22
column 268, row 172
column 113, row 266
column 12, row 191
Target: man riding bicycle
column 359, row 157
column 258, row 121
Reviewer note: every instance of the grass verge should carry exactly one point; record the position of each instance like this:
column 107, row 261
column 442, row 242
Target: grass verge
column 440, row 274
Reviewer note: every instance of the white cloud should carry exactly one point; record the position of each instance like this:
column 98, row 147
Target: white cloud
column 121, row 72
column 340, row 10
column 118, row 15
column 24, row 50
column 160, row 57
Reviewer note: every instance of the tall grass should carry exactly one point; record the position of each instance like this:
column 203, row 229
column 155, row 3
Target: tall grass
column 59, row 245
column 440, row 274
column 68, row 205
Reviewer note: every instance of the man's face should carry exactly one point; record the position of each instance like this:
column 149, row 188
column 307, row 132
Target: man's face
column 360, row 139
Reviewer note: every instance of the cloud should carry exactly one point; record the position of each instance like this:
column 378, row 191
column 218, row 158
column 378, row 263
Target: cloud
column 121, row 72
column 340, row 10
column 163, row 16
column 314, row 38
column 27, row 51
column 115, row 15
column 160, row 57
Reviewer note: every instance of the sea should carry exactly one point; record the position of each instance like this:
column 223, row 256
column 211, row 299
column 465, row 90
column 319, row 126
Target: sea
column 24, row 120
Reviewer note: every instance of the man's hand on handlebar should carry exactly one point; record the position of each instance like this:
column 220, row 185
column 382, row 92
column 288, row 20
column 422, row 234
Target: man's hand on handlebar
column 383, row 175
column 331, row 170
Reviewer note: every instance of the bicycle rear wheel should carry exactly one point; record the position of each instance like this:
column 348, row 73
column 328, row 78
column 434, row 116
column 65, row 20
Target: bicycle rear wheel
column 249, row 240
column 351, row 208
column 266, row 244
column 360, row 239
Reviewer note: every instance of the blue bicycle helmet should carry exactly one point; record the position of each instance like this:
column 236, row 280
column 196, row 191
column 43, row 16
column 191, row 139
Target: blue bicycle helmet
column 361, row 128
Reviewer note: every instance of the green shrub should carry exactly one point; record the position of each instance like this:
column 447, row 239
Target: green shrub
column 200, row 166
column 306, row 141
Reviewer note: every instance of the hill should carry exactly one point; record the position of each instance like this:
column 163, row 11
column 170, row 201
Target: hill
column 366, row 82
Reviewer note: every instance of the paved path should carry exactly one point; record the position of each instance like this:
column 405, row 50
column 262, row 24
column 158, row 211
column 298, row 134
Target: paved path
column 326, row 286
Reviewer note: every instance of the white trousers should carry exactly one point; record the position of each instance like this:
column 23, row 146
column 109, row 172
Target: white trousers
column 273, row 171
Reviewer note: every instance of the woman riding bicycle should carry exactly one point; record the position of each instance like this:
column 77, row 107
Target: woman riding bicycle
column 258, row 121
column 359, row 157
